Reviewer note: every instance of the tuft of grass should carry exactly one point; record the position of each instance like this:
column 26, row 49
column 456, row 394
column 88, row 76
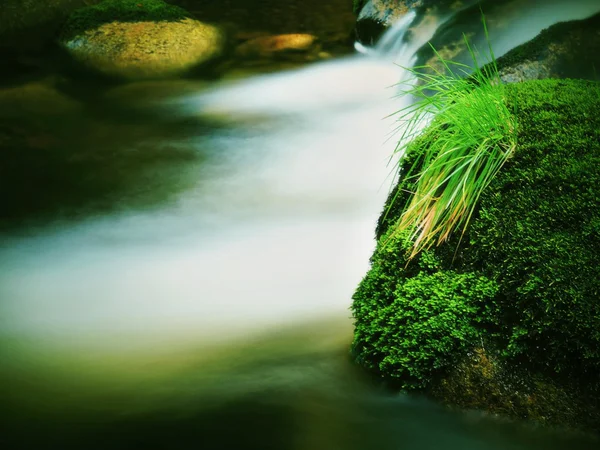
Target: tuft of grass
column 470, row 134
column 108, row 11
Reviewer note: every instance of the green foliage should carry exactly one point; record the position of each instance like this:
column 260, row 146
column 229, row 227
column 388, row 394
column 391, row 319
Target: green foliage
column 472, row 135
column 413, row 320
column 123, row 11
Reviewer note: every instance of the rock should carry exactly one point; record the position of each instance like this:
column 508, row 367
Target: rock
column 265, row 46
column 387, row 12
column 565, row 50
column 149, row 39
column 481, row 380
column 376, row 16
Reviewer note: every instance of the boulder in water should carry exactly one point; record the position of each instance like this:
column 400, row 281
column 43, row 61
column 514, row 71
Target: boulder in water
column 505, row 317
column 265, row 46
column 387, row 12
column 564, row 50
column 139, row 39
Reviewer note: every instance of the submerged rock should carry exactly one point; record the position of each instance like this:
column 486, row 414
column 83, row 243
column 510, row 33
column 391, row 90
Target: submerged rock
column 387, row 12
column 140, row 40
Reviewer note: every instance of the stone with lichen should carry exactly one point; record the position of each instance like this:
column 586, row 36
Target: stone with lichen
column 140, row 40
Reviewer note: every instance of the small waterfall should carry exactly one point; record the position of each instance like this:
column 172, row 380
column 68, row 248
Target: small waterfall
column 393, row 42
column 403, row 39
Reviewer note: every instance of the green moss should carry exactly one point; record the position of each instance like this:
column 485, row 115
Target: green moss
column 122, row 11
column 413, row 319
column 525, row 277
column 538, row 234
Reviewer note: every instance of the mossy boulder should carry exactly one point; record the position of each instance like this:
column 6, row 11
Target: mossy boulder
column 139, row 39
column 523, row 282
column 564, row 50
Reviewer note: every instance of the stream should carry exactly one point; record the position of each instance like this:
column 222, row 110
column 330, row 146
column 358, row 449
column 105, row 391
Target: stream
column 188, row 283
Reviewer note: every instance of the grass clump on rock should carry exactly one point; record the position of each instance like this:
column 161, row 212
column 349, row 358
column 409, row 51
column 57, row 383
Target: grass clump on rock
column 108, row 11
column 471, row 137
column 521, row 282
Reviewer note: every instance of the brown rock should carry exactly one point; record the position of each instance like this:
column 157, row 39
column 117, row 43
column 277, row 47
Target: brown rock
column 268, row 45
column 484, row 381
column 146, row 50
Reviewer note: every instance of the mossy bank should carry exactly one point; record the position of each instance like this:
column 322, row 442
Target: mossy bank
column 506, row 318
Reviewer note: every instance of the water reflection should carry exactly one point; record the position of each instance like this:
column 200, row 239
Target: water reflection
column 292, row 390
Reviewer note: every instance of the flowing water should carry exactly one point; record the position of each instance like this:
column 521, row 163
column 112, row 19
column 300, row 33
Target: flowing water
column 216, row 315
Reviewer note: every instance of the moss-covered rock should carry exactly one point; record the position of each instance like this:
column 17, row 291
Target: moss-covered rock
column 138, row 39
column 564, row 50
column 523, row 282
column 412, row 321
